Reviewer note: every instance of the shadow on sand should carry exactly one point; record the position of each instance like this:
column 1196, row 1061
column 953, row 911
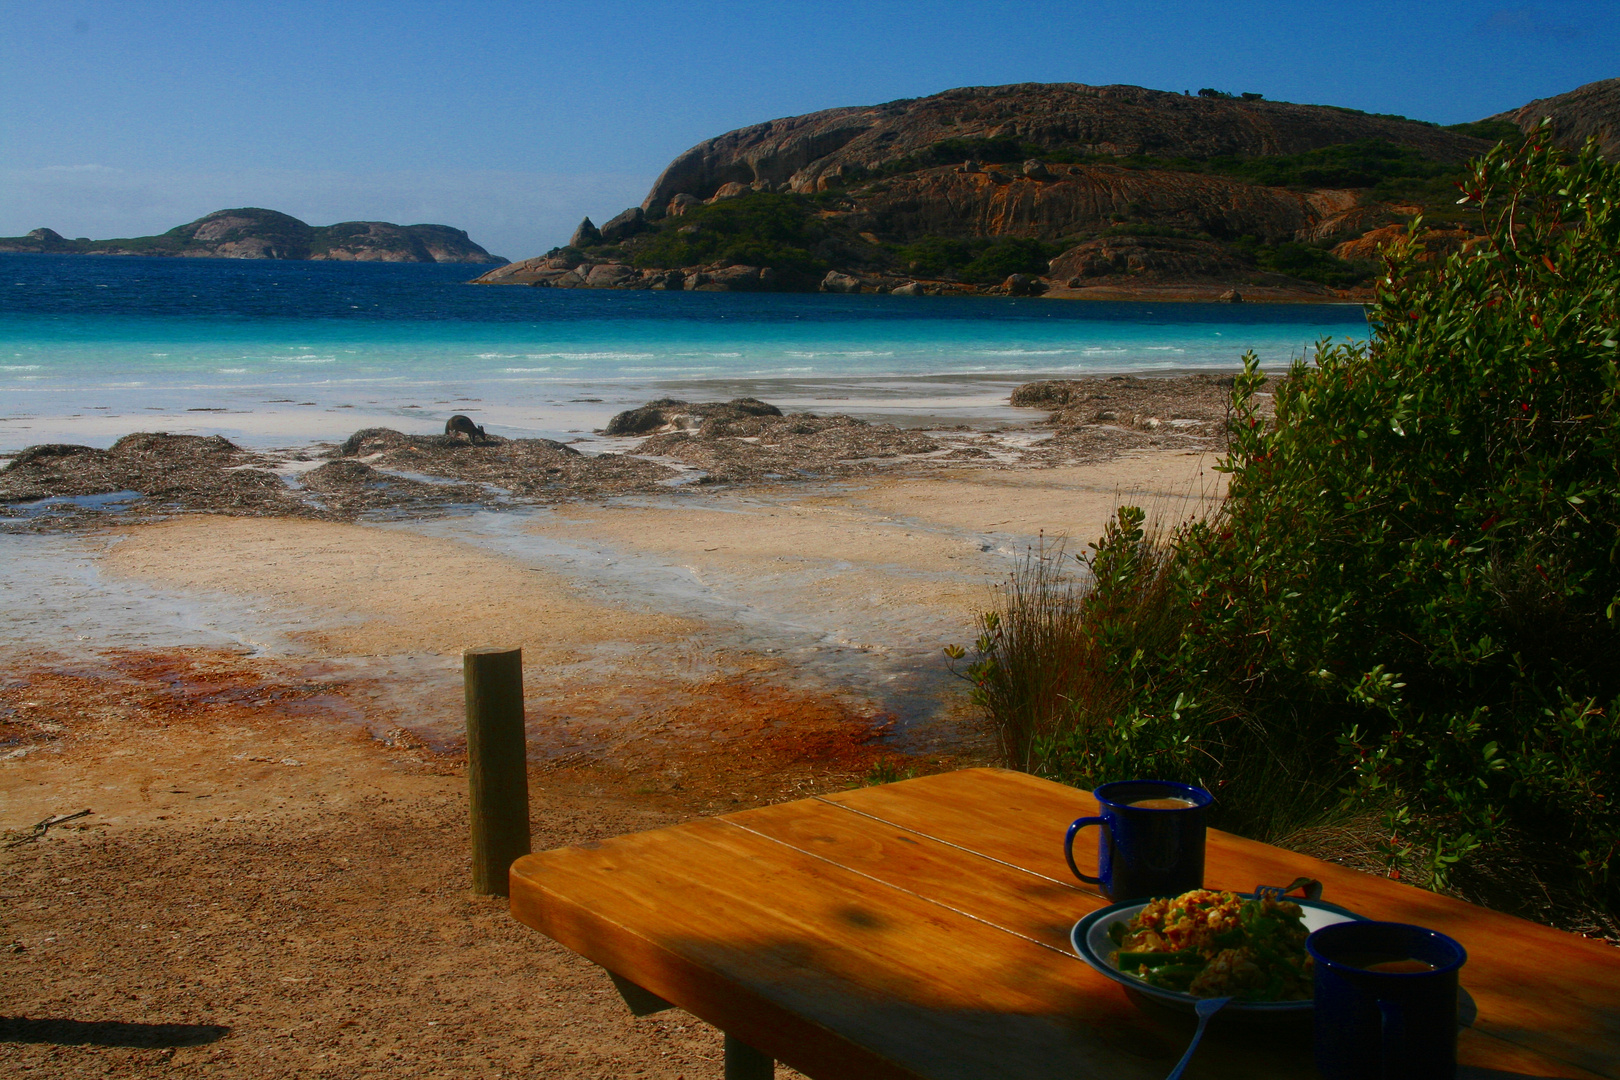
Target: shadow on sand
column 22, row 1029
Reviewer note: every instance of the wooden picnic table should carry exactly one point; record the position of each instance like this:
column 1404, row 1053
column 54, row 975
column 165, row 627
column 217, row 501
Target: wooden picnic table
column 921, row 929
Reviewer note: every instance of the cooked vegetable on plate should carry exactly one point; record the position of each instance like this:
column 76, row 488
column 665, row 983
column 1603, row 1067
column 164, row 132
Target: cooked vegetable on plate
column 1217, row 944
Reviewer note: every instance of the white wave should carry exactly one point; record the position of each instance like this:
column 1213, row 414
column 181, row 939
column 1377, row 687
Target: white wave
column 497, row 356
column 231, row 371
column 590, row 356
column 1024, row 352
column 19, row 367
column 518, row 370
column 304, row 359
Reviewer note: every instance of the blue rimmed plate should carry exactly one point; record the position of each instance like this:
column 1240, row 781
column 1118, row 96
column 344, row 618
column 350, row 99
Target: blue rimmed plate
column 1090, row 941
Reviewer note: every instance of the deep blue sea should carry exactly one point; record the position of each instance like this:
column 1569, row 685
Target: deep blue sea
column 276, row 352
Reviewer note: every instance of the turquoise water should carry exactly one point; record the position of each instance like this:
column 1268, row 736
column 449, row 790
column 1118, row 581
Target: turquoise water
column 268, row 351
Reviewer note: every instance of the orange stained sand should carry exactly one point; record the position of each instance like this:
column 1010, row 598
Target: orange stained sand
column 727, row 738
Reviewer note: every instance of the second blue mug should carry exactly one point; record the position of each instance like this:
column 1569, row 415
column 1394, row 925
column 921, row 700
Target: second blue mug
column 1150, row 839
column 1386, row 1001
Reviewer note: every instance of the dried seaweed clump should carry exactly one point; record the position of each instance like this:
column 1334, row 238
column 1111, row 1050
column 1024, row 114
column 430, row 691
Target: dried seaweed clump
column 522, row 469
column 163, row 473
column 673, row 414
column 776, row 447
column 1129, row 400
column 347, row 488
column 1098, row 417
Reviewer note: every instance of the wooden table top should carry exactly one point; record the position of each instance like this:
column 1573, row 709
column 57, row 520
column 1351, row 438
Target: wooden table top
column 921, row 929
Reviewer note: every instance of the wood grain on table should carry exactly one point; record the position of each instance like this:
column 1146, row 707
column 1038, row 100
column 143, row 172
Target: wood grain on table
column 921, row 929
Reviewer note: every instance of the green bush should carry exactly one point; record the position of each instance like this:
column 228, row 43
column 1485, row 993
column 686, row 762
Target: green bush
column 757, row 229
column 935, row 256
column 1503, row 131
column 1009, row 255
column 1410, row 599
column 980, row 260
column 1306, row 262
column 1345, row 165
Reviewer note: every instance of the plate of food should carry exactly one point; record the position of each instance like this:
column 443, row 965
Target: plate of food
column 1177, row 950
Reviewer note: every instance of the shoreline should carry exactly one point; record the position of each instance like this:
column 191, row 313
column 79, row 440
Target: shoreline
column 567, row 411
column 1202, row 293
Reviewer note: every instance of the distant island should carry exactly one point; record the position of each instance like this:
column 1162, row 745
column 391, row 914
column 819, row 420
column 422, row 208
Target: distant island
column 253, row 233
column 1056, row 188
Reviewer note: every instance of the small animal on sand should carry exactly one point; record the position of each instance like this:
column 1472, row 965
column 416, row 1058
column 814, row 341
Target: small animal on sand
column 463, row 425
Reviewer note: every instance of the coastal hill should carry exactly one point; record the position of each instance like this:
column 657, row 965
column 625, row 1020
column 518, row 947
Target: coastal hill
column 252, row 233
column 826, row 149
column 1101, row 191
column 1590, row 111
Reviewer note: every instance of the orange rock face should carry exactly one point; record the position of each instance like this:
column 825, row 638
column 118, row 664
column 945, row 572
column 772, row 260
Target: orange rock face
column 1078, row 198
column 1437, row 243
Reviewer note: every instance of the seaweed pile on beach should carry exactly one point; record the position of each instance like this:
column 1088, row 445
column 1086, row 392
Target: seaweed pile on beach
column 747, row 440
column 489, row 468
column 142, row 476
column 1095, row 418
column 380, row 472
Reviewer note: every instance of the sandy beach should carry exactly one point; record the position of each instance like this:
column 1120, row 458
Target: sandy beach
column 262, row 710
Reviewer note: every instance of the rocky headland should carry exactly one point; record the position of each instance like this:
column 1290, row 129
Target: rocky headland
column 254, row 233
column 1061, row 189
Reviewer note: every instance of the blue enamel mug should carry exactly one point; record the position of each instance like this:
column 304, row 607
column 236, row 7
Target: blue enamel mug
column 1386, row 1001
column 1150, row 839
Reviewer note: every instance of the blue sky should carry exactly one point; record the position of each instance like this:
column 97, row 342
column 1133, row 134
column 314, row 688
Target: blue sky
column 513, row 120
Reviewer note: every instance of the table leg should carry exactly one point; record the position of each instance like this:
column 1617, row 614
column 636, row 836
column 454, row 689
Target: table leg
column 743, row 1062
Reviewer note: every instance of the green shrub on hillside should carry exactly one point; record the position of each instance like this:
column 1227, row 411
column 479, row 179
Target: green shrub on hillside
column 1502, row 131
column 1306, row 262
column 757, row 229
column 935, row 256
column 1411, row 597
column 1008, row 255
column 1345, row 165
column 980, row 260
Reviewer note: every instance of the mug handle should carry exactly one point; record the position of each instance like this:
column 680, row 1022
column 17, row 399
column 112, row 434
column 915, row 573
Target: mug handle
column 1068, row 847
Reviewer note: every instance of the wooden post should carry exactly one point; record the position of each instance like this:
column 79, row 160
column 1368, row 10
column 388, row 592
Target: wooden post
column 497, row 765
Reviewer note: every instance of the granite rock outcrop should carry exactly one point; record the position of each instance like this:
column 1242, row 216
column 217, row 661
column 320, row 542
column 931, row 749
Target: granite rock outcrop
column 1590, row 111
column 812, row 152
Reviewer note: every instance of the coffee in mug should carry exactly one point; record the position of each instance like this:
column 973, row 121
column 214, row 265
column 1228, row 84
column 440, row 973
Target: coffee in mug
column 1150, row 839
column 1386, row 1001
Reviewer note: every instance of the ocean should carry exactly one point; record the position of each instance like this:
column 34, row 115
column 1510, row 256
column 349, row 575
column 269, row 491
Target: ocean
column 274, row 353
